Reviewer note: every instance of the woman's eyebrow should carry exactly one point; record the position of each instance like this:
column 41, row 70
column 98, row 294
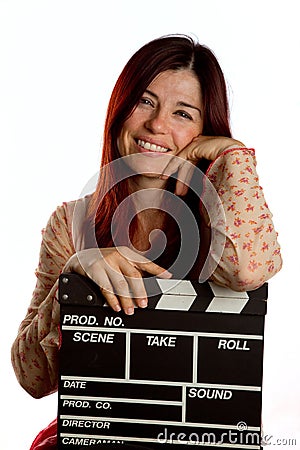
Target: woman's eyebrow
column 187, row 105
column 151, row 93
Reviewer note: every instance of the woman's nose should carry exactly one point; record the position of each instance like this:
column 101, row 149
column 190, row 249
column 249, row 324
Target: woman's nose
column 158, row 122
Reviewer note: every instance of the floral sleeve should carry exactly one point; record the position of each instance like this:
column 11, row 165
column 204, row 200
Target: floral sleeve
column 34, row 352
column 252, row 254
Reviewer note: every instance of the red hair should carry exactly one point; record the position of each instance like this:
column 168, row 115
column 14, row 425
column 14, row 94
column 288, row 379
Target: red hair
column 166, row 53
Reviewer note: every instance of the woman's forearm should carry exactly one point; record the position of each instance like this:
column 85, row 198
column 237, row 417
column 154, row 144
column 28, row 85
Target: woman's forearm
column 251, row 254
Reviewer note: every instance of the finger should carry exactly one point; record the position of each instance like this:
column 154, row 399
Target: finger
column 184, row 177
column 154, row 269
column 106, row 288
column 171, row 167
column 181, row 189
column 127, row 305
column 135, row 283
column 121, row 289
column 111, row 299
column 142, row 263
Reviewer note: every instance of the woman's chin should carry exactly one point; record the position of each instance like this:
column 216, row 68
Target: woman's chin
column 148, row 164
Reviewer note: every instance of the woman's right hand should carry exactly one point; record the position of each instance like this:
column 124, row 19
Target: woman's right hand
column 118, row 272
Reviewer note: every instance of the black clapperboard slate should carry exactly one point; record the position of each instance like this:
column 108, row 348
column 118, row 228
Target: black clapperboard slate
column 185, row 371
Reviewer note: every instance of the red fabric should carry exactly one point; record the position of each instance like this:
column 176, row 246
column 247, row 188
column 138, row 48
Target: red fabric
column 47, row 438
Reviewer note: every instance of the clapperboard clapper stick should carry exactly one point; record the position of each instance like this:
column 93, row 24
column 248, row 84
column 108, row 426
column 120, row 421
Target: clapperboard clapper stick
column 185, row 371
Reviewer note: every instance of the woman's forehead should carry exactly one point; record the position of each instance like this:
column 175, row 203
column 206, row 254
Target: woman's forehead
column 183, row 83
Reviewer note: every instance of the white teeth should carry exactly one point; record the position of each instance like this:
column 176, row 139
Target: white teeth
column 152, row 147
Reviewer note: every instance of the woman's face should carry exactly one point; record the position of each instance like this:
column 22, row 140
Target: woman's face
column 166, row 119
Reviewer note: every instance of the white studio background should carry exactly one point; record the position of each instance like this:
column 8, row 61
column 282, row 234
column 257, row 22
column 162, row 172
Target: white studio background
column 59, row 60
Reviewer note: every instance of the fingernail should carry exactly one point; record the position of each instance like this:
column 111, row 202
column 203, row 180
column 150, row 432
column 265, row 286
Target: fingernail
column 129, row 311
column 143, row 303
column 165, row 274
column 117, row 308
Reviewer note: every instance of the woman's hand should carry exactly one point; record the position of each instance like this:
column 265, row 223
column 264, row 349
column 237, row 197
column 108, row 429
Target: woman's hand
column 118, row 273
column 207, row 147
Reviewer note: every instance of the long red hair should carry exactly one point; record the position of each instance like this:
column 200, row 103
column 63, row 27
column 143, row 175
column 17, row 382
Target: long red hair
column 174, row 52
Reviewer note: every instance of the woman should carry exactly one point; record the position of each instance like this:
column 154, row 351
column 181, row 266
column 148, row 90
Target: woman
column 168, row 114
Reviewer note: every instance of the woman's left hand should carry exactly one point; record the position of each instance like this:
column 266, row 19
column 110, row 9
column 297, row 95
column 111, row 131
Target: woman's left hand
column 207, row 147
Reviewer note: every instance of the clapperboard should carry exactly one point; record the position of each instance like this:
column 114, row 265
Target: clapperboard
column 185, row 371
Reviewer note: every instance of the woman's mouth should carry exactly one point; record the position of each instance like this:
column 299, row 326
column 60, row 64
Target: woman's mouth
column 148, row 146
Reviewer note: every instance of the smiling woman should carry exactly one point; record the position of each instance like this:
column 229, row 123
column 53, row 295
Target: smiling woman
column 167, row 122
column 163, row 123
column 166, row 119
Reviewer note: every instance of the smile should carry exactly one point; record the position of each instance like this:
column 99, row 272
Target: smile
column 151, row 147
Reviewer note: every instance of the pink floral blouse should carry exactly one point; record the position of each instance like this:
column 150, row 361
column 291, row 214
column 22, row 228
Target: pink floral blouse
column 251, row 256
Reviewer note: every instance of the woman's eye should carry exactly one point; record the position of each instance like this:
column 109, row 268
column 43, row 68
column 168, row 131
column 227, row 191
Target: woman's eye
column 146, row 101
column 184, row 114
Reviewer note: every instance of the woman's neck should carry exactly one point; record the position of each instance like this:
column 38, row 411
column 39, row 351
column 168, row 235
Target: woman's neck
column 147, row 195
column 148, row 224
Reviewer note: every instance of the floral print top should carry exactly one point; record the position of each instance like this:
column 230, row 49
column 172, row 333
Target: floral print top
column 251, row 256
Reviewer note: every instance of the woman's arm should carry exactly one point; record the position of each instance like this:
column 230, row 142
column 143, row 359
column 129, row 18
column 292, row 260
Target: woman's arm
column 35, row 350
column 252, row 254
